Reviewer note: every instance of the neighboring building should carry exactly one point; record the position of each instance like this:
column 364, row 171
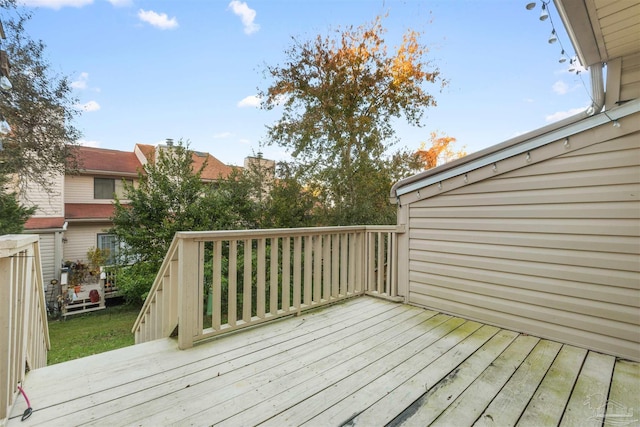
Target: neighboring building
column 541, row 234
column 75, row 215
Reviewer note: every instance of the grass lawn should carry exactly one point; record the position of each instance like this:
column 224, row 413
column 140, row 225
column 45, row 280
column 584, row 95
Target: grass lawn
column 95, row 332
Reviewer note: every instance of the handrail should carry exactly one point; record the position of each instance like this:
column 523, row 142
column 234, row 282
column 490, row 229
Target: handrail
column 245, row 277
column 24, row 336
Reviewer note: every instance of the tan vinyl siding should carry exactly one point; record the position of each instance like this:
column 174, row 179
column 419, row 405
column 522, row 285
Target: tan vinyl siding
column 49, row 202
column 630, row 77
column 47, row 256
column 552, row 248
column 79, row 189
column 80, row 238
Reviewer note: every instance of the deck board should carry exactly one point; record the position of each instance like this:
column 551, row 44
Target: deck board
column 590, row 392
column 365, row 362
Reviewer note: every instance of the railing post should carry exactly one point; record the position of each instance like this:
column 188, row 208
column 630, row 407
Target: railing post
column 6, row 325
column 188, row 274
column 402, row 254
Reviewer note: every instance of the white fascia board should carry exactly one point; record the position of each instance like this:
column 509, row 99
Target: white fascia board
column 564, row 132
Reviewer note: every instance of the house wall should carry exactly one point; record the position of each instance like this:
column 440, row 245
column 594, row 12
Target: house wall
column 82, row 237
column 79, row 189
column 50, row 203
column 51, row 260
column 551, row 249
column 47, row 257
column 630, row 77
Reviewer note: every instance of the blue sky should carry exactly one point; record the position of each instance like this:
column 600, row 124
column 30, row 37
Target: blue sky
column 145, row 71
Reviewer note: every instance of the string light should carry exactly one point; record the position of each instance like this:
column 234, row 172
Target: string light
column 553, row 38
column 563, row 58
column 544, row 15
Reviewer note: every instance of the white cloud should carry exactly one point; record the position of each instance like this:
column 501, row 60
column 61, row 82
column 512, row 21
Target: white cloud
column 90, row 106
column 560, row 87
column 244, row 141
column 158, row 20
column 120, row 3
column 86, row 143
column 81, row 83
column 246, row 14
column 55, row 4
column 559, row 115
column 250, row 101
column 529, row 100
column 222, row 135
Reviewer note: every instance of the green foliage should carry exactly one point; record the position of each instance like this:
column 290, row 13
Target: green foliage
column 290, row 204
column 97, row 257
column 78, row 272
column 12, row 214
column 169, row 197
column 134, row 281
column 340, row 96
column 39, row 108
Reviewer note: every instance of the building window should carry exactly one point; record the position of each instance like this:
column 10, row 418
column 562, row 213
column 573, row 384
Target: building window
column 110, row 242
column 105, row 188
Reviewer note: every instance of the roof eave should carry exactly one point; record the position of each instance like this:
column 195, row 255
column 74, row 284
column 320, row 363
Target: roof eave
column 512, row 147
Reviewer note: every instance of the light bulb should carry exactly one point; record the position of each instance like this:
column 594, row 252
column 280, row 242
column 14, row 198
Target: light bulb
column 530, row 5
column 563, row 58
column 552, row 37
column 544, row 15
column 5, row 84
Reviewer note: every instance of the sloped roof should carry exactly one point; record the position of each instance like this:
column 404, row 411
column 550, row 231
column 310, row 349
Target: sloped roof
column 88, row 211
column 104, row 161
column 44, row 223
column 213, row 170
column 147, row 150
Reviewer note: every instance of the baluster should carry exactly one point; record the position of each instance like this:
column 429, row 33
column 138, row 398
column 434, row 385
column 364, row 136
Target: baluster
column 216, row 286
column 273, row 281
column 261, row 273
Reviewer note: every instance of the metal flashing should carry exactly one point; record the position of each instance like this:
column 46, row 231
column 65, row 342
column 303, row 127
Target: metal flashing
column 523, row 147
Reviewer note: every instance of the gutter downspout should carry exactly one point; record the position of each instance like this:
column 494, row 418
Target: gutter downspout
column 597, row 104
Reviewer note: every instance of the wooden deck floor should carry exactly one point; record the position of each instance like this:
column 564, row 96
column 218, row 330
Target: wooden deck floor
column 364, row 362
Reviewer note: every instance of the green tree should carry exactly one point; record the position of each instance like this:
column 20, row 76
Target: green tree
column 39, row 108
column 340, row 96
column 12, row 214
column 170, row 197
column 289, row 204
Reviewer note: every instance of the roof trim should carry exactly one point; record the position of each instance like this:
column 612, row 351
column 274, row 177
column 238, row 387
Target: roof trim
column 576, row 20
column 508, row 149
column 95, row 172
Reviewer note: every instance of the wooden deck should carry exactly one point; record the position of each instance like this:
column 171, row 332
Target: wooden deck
column 363, row 362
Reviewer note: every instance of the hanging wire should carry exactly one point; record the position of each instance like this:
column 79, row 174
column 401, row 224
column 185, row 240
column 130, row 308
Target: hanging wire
column 563, row 58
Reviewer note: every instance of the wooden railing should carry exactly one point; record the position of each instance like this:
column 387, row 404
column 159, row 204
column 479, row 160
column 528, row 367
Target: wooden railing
column 24, row 334
column 219, row 281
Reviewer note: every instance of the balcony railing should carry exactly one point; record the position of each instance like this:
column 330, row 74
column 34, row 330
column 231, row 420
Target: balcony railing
column 24, row 335
column 215, row 282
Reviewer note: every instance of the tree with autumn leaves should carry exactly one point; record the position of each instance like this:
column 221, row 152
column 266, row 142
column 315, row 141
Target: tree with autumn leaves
column 340, row 96
column 441, row 151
